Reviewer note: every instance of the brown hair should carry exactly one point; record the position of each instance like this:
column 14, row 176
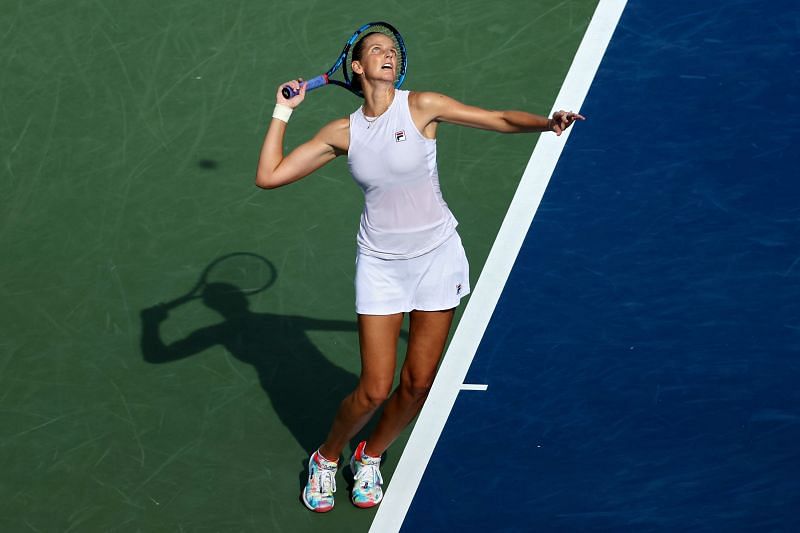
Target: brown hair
column 357, row 53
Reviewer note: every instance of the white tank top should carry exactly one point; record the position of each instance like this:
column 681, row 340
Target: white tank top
column 395, row 165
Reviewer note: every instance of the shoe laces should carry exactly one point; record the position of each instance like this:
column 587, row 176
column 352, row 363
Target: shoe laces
column 368, row 472
column 326, row 477
column 327, row 480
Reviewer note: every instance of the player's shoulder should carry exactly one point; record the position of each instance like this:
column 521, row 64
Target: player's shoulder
column 335, row 127
column 428, row 100
column 338, row 124
column 336, row 133
column 424, row 97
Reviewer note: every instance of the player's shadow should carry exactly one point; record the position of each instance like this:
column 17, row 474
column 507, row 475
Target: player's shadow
column 305, row 388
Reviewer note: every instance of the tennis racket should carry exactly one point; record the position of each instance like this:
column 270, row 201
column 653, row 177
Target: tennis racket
column 245, row 272
column 346, row 58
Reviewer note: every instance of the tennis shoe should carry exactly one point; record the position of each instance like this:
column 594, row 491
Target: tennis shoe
column 318, row 492
column 367, row 480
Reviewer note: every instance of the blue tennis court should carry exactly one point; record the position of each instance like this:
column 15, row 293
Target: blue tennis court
column 641, row 366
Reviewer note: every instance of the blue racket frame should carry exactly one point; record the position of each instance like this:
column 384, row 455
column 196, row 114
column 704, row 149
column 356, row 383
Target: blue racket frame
column 325, row 79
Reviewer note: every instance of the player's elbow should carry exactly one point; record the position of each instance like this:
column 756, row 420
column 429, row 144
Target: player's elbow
column 266, row 180
column 261, row 183
column 506, row 124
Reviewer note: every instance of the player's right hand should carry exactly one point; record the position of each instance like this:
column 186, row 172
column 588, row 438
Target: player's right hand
column 298, row 85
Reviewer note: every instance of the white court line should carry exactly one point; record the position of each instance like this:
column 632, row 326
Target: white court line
column 472, row 386
column 472, row 326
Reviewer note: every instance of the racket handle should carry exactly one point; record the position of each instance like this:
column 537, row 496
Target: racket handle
column 313, row 83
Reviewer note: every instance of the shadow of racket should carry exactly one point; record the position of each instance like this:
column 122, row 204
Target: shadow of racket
column 245, row 272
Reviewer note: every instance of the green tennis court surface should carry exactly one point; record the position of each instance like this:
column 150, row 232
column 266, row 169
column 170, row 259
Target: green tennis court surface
column 129, row 136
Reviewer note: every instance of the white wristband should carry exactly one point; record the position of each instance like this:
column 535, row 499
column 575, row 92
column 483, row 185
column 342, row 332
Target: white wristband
column 282, row 112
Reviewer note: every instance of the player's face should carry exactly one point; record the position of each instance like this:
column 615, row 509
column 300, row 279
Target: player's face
column 378, row 58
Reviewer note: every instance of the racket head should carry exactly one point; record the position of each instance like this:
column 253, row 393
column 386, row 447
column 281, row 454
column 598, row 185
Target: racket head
column 346, row 57
column 345, row 60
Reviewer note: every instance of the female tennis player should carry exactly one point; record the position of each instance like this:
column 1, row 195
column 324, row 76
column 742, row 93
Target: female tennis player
column 410, row 258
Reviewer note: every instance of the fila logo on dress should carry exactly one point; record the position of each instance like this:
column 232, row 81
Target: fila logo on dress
column 399, row 136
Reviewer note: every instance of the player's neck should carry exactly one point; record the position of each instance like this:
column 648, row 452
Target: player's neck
column 377, row 99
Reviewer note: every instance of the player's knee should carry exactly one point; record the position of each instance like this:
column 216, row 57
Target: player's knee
column 373, row 395
column 416, row 388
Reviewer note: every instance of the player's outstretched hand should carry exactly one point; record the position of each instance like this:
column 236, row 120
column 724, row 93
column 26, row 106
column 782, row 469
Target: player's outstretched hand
column 294, row 101
column 562, row 120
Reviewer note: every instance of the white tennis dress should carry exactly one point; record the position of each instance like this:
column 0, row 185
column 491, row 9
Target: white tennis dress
column 409, row 254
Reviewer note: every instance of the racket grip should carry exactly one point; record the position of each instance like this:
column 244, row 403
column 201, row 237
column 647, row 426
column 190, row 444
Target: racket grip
column 314, row 83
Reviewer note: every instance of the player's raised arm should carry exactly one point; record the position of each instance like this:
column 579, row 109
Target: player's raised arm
column 440, row 108
column 275, row 170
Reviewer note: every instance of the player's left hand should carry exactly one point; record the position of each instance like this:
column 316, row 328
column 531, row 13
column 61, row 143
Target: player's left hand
column 562, row 120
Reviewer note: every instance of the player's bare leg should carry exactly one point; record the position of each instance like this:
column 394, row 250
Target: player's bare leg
column 378, row 336
column 427, row 336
